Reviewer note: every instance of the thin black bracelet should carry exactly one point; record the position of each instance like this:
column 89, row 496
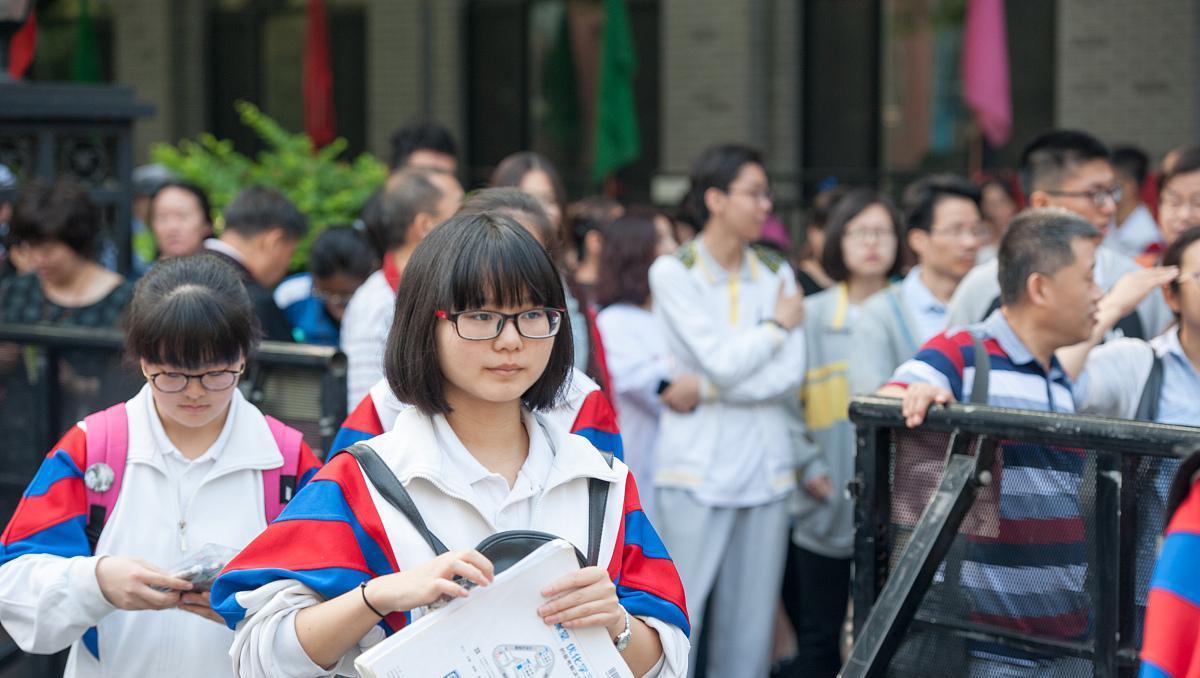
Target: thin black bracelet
column 363, row 589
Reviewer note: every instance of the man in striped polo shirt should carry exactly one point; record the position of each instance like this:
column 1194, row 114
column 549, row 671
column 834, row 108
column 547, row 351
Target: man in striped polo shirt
column 1027, row 572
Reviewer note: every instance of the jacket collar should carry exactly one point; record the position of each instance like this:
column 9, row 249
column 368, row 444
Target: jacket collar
column 249, row 444
column 411, row 450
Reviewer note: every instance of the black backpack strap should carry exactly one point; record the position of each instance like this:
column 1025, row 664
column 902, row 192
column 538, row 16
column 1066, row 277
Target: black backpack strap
column 1147, row 409
column 983, row 368
column 393, row 491
column 597, row 505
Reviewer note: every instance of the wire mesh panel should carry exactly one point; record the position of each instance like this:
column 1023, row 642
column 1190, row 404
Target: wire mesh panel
column 1048, row 572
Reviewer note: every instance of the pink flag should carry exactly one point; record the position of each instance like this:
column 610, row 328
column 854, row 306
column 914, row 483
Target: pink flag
column 985, row 81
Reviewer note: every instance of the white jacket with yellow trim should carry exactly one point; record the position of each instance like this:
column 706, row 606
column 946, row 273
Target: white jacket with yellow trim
column 736, row 447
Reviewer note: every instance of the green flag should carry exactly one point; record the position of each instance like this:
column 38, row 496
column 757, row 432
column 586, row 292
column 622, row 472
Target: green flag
column 562, row 96
column 85, row 64
column 617, row 142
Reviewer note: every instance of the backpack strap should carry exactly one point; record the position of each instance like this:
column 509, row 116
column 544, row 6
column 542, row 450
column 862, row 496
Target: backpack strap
column 597, row 506
column 1147, row 409
column 279, row 484
column 392, row 490
column 983, row 368
column 107, row 448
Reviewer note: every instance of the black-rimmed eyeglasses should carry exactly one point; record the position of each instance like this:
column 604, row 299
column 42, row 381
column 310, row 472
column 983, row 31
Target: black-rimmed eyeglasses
column 1098, row 196
column 176, row 382
column 481, row 325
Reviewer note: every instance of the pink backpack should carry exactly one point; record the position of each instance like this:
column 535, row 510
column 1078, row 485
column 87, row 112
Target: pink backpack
column 108, row 443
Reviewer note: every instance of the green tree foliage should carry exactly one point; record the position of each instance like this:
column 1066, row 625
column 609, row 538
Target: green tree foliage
column 328, row 190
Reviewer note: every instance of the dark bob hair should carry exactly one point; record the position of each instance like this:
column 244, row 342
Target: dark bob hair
column 190, row 313
column 471, row 261
column 56, row 212
column 630, row 243
column 850, row 206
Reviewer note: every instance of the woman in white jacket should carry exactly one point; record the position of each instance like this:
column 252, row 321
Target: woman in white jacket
column 478, row 345
column 187, row 462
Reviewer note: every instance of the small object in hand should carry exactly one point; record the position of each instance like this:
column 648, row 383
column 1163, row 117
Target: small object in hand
column 202, row 567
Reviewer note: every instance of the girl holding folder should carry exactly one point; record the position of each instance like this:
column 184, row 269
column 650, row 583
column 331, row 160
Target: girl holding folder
column 480, row 345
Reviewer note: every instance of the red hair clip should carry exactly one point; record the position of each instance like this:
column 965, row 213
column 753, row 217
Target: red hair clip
column 442, row 315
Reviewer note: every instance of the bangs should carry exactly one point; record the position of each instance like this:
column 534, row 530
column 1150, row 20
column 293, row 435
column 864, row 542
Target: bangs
column 192, row 329
column 495, row 269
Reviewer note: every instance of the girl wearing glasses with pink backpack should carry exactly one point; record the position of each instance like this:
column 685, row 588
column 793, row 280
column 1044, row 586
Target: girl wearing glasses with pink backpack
column 183, row 472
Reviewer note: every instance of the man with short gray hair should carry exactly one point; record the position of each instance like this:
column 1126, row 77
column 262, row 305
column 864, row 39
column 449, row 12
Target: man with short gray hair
column 411, row 204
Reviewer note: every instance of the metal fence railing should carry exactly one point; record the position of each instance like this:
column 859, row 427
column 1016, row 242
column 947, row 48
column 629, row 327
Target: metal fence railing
column 52, row 377
column 1000, row 542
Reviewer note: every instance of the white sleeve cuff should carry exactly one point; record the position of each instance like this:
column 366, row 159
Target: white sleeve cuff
column 85, row 588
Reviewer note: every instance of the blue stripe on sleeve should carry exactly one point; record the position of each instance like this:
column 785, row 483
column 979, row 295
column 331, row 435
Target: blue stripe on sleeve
column 53, row 469
column 1176, row 570
column 323, row 500
column 640, row 532
column 604, row 441
column 346, row 437
column 643, row 604
column 66, row 539
column 329, row 582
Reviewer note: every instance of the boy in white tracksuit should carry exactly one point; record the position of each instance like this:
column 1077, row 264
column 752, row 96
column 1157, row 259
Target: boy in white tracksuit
column 726, row 463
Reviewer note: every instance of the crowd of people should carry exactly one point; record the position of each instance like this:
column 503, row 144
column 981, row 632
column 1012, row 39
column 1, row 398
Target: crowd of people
column 510, row 351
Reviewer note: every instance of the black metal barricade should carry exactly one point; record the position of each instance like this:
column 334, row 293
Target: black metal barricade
column 52, row 377
column 949, row 514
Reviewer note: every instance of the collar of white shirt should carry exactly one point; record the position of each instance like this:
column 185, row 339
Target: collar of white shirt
column 168, row 450
column 459, row 463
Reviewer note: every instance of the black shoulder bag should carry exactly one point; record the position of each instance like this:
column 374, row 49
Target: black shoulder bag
column 503, row 549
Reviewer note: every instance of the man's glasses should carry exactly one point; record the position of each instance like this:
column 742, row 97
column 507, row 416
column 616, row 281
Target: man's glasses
column 176, row 382
column 480, row 325
column 1098, row 196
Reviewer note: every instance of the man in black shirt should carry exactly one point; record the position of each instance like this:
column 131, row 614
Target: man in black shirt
column 262, row 229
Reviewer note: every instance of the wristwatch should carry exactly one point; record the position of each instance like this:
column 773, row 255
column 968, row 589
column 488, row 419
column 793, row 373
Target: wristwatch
column 622, row 640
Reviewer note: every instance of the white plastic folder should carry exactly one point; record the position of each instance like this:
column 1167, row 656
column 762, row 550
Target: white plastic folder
column 496, row 633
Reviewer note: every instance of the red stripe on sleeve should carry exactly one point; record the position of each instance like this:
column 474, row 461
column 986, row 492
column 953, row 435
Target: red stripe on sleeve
column 1172, row 634
column 365, row 418
column 597, row 413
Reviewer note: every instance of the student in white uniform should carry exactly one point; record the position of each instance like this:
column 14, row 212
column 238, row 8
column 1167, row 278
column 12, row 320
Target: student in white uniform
column 635, row 342
column 480, row 344
column 130, row 492
column 726, row 462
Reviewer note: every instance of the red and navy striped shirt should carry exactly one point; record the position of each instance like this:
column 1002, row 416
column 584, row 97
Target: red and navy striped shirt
column 1025, row 571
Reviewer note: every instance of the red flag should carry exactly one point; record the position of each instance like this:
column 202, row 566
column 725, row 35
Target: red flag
column 985, row 80
column 20, row 49
column 319, row 121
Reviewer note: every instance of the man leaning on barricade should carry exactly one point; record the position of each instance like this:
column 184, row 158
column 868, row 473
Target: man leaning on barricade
column 1022, row 573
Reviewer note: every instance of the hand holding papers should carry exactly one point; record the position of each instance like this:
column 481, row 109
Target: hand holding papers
column 496, row 632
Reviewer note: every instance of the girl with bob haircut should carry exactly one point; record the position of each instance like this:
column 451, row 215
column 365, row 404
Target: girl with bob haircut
column 583, row 410
column 132, row 491
column 480, row 347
